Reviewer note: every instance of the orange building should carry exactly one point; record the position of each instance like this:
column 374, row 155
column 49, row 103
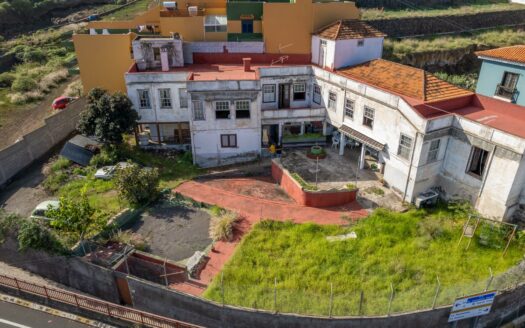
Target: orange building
column 284, row 28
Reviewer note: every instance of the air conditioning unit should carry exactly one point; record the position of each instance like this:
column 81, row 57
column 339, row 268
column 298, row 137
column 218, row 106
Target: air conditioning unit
column 193, row 10
column 427, row 199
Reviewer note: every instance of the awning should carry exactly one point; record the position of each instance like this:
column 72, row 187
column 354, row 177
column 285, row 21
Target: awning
column 376, row 145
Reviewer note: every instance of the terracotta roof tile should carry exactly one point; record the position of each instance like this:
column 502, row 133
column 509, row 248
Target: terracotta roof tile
column 513, row 54
column 346, row 29
column 403, row 80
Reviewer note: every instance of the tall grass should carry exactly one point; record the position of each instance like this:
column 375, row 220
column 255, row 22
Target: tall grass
column 407, row 251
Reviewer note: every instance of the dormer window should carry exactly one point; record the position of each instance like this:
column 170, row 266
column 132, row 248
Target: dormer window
column 361, row 43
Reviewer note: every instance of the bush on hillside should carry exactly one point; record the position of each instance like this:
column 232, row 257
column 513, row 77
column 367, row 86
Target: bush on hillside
column 6, row 80
column 23, row 84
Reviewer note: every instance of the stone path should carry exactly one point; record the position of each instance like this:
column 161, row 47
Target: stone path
column 252, row 209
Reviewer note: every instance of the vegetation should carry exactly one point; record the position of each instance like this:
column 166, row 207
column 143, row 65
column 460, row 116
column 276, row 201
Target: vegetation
column 131, row 238
column 476, row 8
column 465, row 81
column 351, row 186
column 408, row 250
column 138, row 186
column 107, row 116
column 303, row 183
column 222, row 225
column 130, row 11
column 398, row 49
column 375, row 190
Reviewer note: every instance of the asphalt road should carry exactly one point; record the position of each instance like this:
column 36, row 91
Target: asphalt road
column 15, row 316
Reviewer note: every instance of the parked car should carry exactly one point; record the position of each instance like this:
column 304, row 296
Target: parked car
column 93, row 17
column 40, row 211
column 107, row 172
column 61, row 102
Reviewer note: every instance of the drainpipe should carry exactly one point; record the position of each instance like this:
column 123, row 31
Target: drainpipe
column 484, row 180
column 410, row 167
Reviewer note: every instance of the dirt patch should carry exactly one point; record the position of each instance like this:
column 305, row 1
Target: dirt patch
column 259, row 187
column 174, row 231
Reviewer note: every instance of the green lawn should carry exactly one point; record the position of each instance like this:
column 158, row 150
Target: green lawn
column 480, row 7
column 406, row 250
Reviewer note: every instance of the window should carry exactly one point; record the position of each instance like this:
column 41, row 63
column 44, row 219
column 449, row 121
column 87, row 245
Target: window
column 478, row 160
column 433, row 151
column 332, row 100
column 405, row 146
column 198, row 110
column 507, row 88
column 361, row 43
column 368, row 117
column 247, row 26
column 144, row 98
column 299, row 91
column 268, row 93
column 215, row 23
column 317, row 94
column 156, row 54
column 242, row 109
column 222, row 110
column 349, row 108
column 228, row 140
column 183, row 98
column 165, row 98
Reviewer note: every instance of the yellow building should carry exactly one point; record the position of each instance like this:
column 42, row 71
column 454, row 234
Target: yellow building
column 104, row 54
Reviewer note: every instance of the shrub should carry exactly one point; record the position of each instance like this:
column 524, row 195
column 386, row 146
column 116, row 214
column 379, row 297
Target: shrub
column 74, row 89
column 137, row 185
column 121, row 2
column 54, row 181
column 34, row 56
column 351, row 186
column 108, row 156
column 32, row 234
column 6, row 80
column 52, row 79
column 23, row 83
column 130, row 238
column 217, row 210
column 303, row 183
column 222, row 227
column 61, row 163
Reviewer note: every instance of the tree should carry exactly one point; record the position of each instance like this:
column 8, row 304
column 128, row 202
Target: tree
column 75, row 216
column 107, row 116
column 137, row 185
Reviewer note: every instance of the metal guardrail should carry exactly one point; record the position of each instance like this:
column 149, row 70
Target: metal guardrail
column 94, row 305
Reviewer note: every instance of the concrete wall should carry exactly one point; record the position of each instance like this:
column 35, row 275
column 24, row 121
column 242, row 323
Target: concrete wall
column 37, row 143
column 69, row 271
column 491, row 74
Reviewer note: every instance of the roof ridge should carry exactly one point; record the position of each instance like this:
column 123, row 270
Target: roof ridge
column 424, row 85
column 340, row 22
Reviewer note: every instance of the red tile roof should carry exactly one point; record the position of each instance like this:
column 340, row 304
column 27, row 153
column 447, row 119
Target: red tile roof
column 346, row 29
column 403, row 80
column 512, row 54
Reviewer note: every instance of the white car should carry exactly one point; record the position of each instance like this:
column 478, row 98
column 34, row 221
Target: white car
column 41, row 209
column 107, row 172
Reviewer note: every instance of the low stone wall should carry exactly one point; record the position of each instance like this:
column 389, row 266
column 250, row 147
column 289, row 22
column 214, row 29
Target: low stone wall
column 39, row 142
column 419, row 26
column 327, row 198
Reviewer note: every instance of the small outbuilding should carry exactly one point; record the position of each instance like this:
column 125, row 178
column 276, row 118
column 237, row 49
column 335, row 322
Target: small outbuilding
column 80, row 149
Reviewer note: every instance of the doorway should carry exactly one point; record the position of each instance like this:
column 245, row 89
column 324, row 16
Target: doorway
column 322, row 53
column 270, row 135
column 284, row 95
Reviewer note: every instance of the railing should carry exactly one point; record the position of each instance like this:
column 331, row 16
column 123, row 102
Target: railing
column 505, row 92
column 93, row 304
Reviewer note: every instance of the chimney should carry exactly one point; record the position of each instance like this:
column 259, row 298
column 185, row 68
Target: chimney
column 164, row 61
column 247, row 64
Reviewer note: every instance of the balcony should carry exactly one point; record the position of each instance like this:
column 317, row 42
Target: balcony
column 505, row 92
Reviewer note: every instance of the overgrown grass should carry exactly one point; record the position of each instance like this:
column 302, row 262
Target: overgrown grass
column 130, row 11
column 465, row 81
column 398, row 49
column 406, row 251
column 476, row 8
column 303, row 183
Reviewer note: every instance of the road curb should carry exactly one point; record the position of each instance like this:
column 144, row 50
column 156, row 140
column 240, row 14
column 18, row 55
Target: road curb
column 48, row 310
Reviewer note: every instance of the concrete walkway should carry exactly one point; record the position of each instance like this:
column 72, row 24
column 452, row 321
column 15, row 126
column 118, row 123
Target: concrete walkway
column 252, row 209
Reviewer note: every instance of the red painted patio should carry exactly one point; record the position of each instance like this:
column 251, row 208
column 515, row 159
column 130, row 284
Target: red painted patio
column 225, row 193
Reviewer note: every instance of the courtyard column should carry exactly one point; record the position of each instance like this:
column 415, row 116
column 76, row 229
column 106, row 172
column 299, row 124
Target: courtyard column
column 342, row 143
column 302, row 128
column 362, row 157
column 325, row 127
column 280, row 139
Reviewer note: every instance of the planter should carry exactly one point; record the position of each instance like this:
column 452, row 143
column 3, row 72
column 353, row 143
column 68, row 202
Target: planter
column 316, row 152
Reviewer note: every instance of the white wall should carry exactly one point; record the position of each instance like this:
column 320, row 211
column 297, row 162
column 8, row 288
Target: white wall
column 348, row 53
column 330, row 52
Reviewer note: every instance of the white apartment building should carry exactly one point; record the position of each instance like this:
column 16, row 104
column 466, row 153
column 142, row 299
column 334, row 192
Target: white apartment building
column 423, row 132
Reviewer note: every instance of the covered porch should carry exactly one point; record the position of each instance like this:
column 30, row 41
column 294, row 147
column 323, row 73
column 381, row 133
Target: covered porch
column 173, row 135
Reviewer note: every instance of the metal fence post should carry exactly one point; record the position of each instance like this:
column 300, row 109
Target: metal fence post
column 361, row 298
column 437, row 293
column 17, row 285
column 45, row 291
column 275, row 294
column 222, row 287
column 109, row 310
column 490, row 279
column 331, row 300
column 76, row 300
column 391, row 298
